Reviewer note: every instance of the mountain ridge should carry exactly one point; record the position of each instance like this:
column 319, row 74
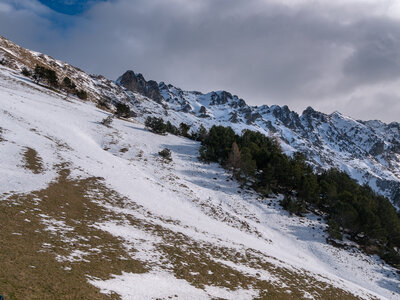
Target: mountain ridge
column 369, row 151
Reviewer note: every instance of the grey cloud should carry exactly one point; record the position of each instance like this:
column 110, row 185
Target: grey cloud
column 377, row 53
column 263, row 51
column 381, row 106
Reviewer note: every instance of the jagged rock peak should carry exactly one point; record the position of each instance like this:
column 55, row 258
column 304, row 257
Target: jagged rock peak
column 308, row 111
column 336, row 114
column 137, row 83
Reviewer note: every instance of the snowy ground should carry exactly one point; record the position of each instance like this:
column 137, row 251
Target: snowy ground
column 185, row 198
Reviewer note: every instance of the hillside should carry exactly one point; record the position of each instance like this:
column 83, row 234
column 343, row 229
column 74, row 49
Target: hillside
column 91, row 211
column 369, row 151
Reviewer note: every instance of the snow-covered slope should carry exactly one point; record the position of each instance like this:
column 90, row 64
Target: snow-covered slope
column 144, row 228
column 97, row 87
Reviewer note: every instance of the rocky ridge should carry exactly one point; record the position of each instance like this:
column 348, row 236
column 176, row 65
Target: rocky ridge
column 369, row 151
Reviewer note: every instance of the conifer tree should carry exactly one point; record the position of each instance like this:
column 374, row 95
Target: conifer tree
column 233, row 162
column 184, row 129
column 201, row 133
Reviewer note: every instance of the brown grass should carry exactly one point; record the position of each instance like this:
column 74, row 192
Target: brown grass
column 123, row 150
column 32, row 161
column 29, row 269
column 28, row 254
column 197, row 263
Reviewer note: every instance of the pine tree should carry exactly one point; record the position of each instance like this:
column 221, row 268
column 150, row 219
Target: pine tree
column 171, row 128
column 201, row 133
column 26, row 72
column 39, row 73
column 81, row 94
column 156, row 125
column 45, row 74
column 233, row 161
column 184, row 129
column 68, row 83
column 247, row 163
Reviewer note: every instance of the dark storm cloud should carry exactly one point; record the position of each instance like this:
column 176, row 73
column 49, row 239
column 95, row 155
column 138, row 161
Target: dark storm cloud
column 320, row 53
column 377, row 52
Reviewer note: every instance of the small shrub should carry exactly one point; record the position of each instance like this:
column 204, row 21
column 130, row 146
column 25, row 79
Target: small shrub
column 123, row 110
column 68, row 83
column 107, row 121
column 184, row 129
column 81, row 94
column 166, row 154
column 45, row 74
column 26, row 72
column 104, row 103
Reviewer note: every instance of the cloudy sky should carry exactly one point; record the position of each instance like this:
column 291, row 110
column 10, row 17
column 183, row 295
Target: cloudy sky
column 332, row 55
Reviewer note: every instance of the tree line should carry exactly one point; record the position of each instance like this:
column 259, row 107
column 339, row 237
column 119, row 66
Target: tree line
column 48, row 76
column 158, row 126
column 258, row 161
column 349, row 208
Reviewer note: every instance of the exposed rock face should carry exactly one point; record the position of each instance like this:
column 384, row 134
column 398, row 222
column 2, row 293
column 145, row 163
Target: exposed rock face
column 136, row 83
column 234, row 117
column 220, row 98
column 378, row 148
column 203, row 112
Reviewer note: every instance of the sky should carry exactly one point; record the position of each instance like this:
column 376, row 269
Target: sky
column 341, row 55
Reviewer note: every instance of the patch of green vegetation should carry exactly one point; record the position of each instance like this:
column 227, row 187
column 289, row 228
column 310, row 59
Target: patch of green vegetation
column 43, row 74
column 48, row 76
column 123, row 110
column 165, row 154
column 157, row 125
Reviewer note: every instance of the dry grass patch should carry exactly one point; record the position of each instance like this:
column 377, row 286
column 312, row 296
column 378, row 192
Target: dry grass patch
column 32, row 160
column 202, row 264
column 40, row 231
column 123, row 150
column 29, row 249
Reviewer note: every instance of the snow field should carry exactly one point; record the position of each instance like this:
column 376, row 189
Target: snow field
column 186, row 196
